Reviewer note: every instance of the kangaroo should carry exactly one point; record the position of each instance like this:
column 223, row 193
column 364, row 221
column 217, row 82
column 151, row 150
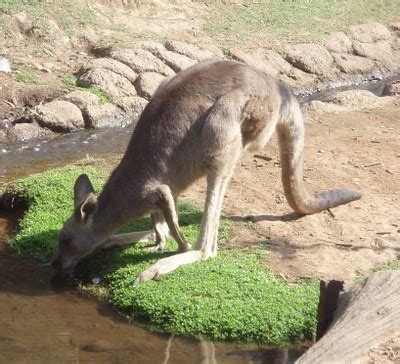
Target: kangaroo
column 199, row 123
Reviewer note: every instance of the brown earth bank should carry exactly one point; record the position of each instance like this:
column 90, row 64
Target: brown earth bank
column 358, row 149
column 59, row 68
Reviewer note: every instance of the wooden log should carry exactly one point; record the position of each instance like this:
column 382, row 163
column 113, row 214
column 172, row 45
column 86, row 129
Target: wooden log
column 366, row 321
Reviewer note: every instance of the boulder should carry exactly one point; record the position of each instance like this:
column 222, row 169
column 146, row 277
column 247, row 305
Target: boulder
column 366, row 323
column 311, row 58
column 378, row 51
column 105, row 116
column 111, row 83
column 392, row 89
column 370, row 32
column 395, row 27
column 26, row 131
column 141, row 60
column 176, row 61
column 148, row 82
column 350, row 64
column 58, row 116
column 151, row 46
column 132, row 106
column 349, row 100
column 276, row 60
column 112, row 65
column 339, row 42
column 82, row 99
column 189, row 50
column 254, row 61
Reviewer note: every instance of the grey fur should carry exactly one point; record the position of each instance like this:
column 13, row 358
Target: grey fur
column 199, row 123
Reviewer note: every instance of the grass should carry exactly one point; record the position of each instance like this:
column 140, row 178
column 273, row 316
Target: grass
column 69, row 14
column 272, row 22
column 233, row 297
column 26, row 75
column 391, row 266
column 71, row 80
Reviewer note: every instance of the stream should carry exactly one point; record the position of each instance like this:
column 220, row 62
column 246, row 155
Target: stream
column 40, row 322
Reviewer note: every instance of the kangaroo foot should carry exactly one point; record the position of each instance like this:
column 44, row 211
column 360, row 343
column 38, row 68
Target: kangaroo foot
column 169, row 264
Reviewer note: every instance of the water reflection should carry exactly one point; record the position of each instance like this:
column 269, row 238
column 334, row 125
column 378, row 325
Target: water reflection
column 38, row 323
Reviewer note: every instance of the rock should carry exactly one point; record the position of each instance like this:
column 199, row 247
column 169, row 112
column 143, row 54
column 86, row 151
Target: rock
column 141, row 60
column 188, row 50
column 148, row 82
column 392, row 89
column 5, row 65
column 176, row 61
column 58, row 36
column 26, row 131
column 339, row 42
column 105, row 116
column 254, row 61
column 351, row 64
column 58, row 116
column 349, row 100
column 25, row 25
column 367, row 318
column 132, row 105
column 370, row 32
column 151, row 46
column 298, row 79
column 275, row 60
column 311, row 58
column 395, row 28
column 111, row 83
column 82, row 99
column 321, row 107
column 379, row 51
column 112, row 65
column 215, row 51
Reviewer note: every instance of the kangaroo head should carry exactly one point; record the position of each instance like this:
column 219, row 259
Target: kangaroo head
column 76, row 238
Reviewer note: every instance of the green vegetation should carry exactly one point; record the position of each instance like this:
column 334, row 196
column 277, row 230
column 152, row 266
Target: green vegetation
column 69, row 14
column 70, row 80
column 271, row 22
column 391, row 266
column 232, row 297
column 101, row 95
column 26, row 76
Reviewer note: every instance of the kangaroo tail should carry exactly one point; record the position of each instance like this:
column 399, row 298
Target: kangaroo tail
column 290, row 129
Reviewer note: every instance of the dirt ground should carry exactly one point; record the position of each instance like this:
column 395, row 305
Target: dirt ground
column 358, row 150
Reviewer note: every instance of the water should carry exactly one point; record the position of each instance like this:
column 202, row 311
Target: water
column 19, row 159
column 43, row 323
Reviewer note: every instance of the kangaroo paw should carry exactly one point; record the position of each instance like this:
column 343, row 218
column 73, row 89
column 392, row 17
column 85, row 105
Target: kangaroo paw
column 169, row 264
column 154, row 248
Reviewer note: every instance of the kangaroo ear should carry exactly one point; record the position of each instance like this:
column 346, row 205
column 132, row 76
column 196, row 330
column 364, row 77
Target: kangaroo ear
column 82, row 188
column 86, row 209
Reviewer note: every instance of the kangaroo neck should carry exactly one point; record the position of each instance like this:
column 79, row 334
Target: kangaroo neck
column 120, row 202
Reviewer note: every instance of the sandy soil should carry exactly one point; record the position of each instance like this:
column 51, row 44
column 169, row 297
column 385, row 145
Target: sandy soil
column 359, row 150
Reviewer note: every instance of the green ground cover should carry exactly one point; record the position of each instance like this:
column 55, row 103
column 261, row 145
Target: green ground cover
column 233, row 297
column 276, row 22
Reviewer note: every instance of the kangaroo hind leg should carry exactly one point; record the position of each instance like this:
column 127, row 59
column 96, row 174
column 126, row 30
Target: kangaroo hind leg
column 221, row 141
column 161, row 232
column 167, row 207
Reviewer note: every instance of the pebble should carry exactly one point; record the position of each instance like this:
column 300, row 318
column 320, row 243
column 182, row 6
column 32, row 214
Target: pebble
column 96, row 280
